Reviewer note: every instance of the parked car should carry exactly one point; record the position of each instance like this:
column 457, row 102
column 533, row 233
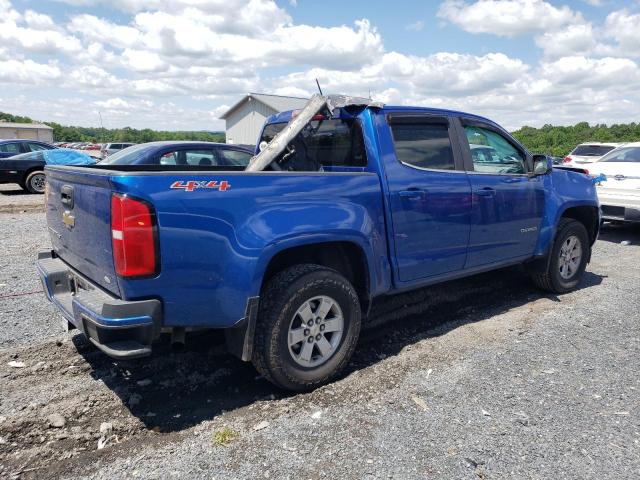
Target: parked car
column 620, row 194
column 354, row 200
column 182, row 154
column 590, row 152
column 27, row 169
column 9, row 148
column 111, row 148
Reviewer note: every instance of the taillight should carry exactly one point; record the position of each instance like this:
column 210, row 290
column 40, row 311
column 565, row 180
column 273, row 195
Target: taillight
column 316, row 118
column 134, row 238
column 567, row 159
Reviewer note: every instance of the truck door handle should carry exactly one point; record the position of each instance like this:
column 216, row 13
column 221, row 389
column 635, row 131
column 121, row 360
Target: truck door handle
column 412, row 193
column 486, row 192
column 66, row 195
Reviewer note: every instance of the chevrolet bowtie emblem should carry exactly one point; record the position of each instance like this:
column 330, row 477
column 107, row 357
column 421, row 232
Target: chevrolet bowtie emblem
column 68, row 219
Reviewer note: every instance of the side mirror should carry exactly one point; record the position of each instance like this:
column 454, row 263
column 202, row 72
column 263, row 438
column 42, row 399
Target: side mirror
column 542, row 165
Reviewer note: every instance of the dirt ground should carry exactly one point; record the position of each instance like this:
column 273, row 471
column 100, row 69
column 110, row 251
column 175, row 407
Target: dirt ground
column 485, row 377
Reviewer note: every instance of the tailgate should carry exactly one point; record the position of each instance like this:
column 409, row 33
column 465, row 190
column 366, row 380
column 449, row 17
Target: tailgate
column 78, row 204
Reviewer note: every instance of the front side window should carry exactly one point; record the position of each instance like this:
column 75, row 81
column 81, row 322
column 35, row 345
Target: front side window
column 423, row 145
column 331, row 142
column 492, row 153
column 627, row 155
column 12, row 148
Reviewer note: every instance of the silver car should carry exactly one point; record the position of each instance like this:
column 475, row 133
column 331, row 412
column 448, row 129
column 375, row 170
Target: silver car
column 111, row 148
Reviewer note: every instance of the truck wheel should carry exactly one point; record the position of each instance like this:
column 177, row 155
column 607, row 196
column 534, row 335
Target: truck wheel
column 307, row 328
column 35, row 182
column 571, row 249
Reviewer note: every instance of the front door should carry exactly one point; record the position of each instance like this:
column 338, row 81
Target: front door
column 429, row 196
column 507, row 203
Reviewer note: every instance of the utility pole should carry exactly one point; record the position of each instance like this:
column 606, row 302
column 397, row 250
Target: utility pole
column 101, row 126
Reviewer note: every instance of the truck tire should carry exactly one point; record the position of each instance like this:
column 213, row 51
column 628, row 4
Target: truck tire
column 307, row 328
column 569, row 254
column 35, row 182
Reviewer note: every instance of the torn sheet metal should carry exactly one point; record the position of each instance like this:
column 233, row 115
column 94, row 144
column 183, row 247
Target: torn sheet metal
column 316, row 104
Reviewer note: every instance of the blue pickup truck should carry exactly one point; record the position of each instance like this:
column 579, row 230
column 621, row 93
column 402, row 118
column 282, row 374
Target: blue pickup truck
column 344, row 201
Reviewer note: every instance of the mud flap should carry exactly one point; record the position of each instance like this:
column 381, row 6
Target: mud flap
column 239, row 338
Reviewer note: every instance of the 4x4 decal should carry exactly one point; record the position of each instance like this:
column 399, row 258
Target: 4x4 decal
column 192, row 185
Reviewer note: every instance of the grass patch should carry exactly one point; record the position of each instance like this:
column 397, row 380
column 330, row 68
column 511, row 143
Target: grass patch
column 222, row 437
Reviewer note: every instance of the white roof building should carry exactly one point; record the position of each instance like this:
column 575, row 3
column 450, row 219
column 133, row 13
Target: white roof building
column 245, row 119
column 27, row 131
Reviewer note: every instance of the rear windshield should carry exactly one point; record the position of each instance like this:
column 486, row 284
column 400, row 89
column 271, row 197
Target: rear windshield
column 331, row 143
column 127, row 155
column 591, row 150
column 627, row 155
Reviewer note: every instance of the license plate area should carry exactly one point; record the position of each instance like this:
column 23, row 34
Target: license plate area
column 77, row 284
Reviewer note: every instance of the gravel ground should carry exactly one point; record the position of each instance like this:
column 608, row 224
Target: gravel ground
column 484, row 377
column 15, row 200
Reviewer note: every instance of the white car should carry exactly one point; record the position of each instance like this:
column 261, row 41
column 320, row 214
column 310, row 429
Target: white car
column 620, row 194
column 111, row 148
column 586, row 153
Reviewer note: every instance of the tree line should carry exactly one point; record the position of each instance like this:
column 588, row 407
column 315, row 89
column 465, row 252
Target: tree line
column 559, row 141
column 63, row 133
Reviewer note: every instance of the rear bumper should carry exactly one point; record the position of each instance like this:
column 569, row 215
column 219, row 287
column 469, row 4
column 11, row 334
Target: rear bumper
column 121, row 329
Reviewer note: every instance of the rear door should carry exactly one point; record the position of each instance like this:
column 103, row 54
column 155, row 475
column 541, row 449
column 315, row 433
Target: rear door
column 429, row 196
column 507, row 203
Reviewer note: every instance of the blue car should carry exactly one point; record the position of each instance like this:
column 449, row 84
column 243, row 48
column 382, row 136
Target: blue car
column 9, row 148
column 346, row 201
column 27, row 169
column 181, row 155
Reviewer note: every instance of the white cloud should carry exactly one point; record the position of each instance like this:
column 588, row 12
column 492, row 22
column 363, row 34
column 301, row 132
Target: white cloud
column 102, row 31
column 39, row 39
column 579, row 39
column 506, row 18
column 447, row 74
column 623, row 26
column 415, row 26
column 27, row 71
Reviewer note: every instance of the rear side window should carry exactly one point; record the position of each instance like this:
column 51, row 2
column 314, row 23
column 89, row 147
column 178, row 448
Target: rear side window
column 331, row 143
column 35, row 147
column 423, row 145
column 591, row 150
column 628, row 155
column 13, row 148
column 196, row 158
column 234, row 157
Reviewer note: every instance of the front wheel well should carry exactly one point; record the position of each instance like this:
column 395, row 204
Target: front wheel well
column 586, row 215
column 347, row 258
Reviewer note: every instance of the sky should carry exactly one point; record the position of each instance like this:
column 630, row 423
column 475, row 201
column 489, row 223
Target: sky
column 180, row 64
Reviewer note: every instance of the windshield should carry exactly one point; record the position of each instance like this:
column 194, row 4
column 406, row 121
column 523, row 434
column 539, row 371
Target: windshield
column 627, row 155
column 591, row 150
column 128, row 155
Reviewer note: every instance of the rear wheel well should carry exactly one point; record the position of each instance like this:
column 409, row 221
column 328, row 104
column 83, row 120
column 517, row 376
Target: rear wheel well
column 345, row 257
column 586, row 215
